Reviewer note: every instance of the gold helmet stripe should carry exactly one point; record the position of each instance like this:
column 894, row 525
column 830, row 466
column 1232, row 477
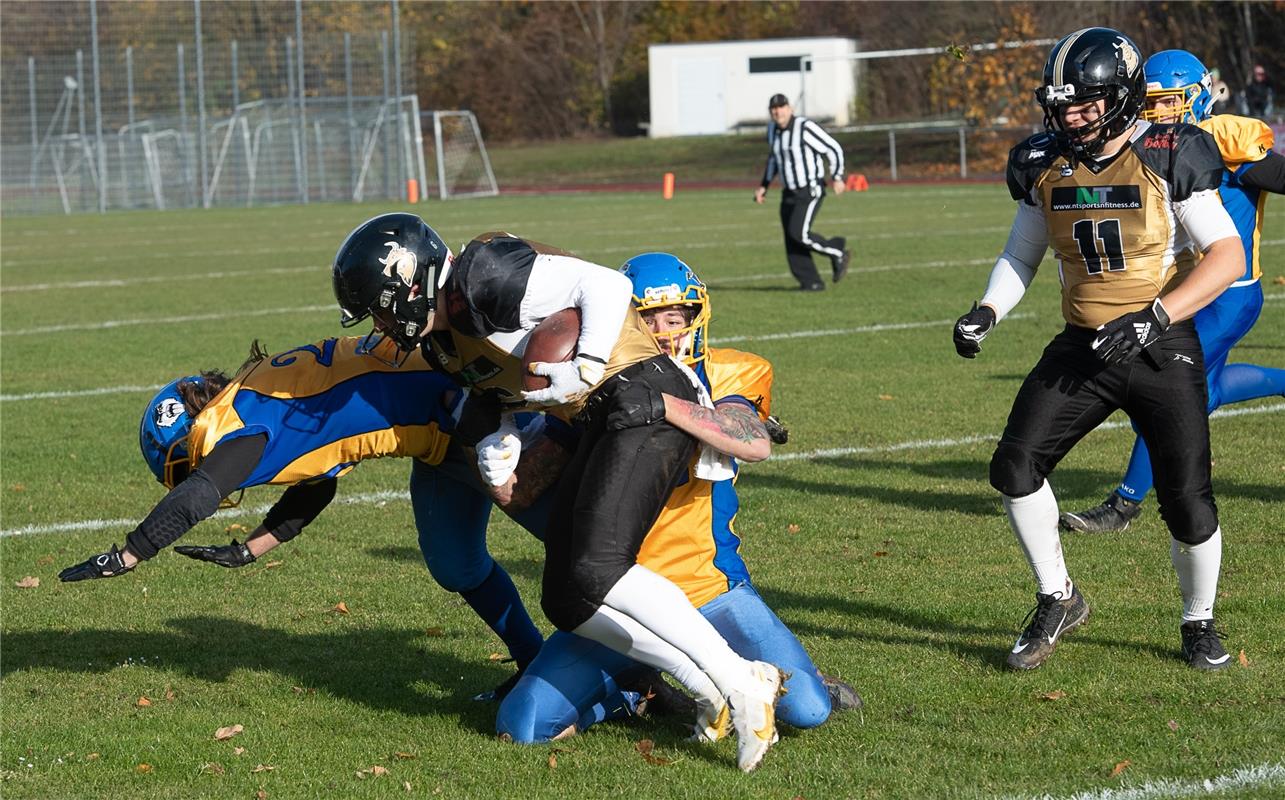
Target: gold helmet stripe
column 1058, row 80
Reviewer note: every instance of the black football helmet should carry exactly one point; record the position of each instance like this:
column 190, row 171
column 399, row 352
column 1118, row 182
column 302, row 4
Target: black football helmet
column 390, row 268
column 1093, row 64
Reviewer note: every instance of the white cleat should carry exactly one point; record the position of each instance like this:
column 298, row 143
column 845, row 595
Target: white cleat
column 712, row 722
column 754, row 715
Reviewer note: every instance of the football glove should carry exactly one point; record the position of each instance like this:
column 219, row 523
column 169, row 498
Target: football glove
column 972, row 328
column 104, row 565
column 498, row 453
column 634, row 405
column 566, row 379
column 228, row 555
column 1124, row 338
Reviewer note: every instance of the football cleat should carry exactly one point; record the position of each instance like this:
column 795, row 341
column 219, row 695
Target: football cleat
column 1202, row 645
column 658, row 698
column 1048, row 622
column 839, row 265
column 712, row 722
column 754, row 714
column 501, row 691
column 842, row 696
column 1113, row 514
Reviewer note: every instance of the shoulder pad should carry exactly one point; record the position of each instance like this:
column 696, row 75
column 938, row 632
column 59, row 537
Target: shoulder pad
column 1028, row 160
column 1184, row 155
column 1240, row 139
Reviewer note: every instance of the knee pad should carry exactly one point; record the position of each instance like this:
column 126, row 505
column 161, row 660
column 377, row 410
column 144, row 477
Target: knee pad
column 806, row 703
column 1013, row 472
column 1191, row 519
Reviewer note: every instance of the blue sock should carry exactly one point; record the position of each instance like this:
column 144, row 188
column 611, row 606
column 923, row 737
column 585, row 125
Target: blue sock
column 1137, row 477
column 497, row 602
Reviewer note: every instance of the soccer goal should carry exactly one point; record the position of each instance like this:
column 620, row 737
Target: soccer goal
column 463, row 168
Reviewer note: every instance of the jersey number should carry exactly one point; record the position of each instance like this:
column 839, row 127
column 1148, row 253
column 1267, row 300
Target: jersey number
column 325, row 355
column 1088, row 233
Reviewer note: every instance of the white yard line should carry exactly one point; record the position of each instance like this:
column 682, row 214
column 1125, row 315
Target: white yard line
column 111, row 283
column 380, row 497
column 123, row 323
column 1256, row 777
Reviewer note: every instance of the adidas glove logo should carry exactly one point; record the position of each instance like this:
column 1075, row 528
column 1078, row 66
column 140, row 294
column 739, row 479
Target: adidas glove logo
column 1141, row 329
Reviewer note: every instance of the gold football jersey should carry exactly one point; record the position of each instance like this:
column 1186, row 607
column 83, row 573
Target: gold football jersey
column 1111, row 223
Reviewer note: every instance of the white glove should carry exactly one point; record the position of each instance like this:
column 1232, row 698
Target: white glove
column 566, row 379
column 498, row 453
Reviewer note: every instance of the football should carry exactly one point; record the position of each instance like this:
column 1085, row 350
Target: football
column 554, row 339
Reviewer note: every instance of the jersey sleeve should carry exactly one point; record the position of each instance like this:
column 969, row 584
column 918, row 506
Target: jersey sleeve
column 1185, row 156
column 1027, row 162
column 1240, row 140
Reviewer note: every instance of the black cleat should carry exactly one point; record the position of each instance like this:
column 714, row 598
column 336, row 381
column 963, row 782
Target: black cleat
column 1202, row 645
column 500, row 692
column 1114, row 514
column 842, row 696
column 812, row 287
column 659, row 699
column 1049, row 621
column 840, row 265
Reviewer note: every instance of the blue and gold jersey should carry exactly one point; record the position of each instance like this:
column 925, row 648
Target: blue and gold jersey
column 694, row 541
column 1242, row 143
column 324, row 407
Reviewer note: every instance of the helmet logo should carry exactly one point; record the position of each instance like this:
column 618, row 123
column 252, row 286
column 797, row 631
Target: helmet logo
column 1128, row 55
column 168, row 411
column 399, row 262
column 663, row 294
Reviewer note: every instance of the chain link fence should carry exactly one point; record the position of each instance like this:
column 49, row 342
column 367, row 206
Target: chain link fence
column 147, row 105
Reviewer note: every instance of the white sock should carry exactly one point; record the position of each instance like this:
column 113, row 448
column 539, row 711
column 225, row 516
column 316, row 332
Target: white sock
column 1034, row 520
column 621, row 633
column 1197, row 567
column 658, row 605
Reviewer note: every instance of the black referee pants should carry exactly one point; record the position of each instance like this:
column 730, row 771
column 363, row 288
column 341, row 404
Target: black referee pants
column 1070, row 392
column 610, row 495
column 799, row 208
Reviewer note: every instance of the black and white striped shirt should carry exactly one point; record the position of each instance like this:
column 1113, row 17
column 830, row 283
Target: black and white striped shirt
column 797, row 151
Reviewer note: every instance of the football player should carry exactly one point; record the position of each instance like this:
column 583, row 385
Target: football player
column 473, row 315
column 1108, row 192
column 574, row 683
column 303, row 418
column 1179, row 90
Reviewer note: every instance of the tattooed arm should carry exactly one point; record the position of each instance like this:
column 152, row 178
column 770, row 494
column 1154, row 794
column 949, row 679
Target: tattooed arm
column 730, row 427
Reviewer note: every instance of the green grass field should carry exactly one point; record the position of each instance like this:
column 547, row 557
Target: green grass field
column 873, row 533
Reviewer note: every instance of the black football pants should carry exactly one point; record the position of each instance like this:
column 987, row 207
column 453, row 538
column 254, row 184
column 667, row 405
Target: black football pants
column 610, row 495
column 1070, row 392
column 798, row 211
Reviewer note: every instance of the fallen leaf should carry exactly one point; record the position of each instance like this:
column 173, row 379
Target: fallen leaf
column 340, row 607
column 435, row 632
column 238, row 751
column 143, row 702
column 885, row 397
column 236, row 528
column 1243, row 659
column 91, row 757
column 1056, row 694
column 553, row 761
column 169, row 694
column 302, row 690
column 406, row 785
column 213, row 768
column 792, row 528
column 378, row 770
column 1173, row 725
column 645, row 748
column 28, row 582
column 880, row 553
column 1279, row 280
column 143, row 768
column 403, row 756
column 44, row 561
column 262, row 768
column 495, row 657
column 261, row 795
column 272, row 564
column 228, row 732
column 1121, row 767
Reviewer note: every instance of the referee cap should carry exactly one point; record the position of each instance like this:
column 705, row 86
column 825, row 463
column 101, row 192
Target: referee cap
column 778, row 100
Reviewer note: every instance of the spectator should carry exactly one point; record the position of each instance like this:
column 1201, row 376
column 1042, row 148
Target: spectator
column 1259, row 93
column 1220, row 92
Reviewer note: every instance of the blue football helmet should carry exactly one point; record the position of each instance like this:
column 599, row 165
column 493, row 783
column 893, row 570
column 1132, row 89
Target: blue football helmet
column 661, row 280
column 162, row 436
column 1177, row 73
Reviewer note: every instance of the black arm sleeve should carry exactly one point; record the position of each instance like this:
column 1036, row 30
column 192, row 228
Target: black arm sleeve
column 299, row 505
column 1267, row 174
column 198, row 496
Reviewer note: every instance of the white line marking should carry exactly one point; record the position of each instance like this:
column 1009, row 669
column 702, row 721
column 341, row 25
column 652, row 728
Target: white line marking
column 386, row 495
column 888, row 326
column 122, row 323
column 111, row 283
column 80, row 393
column 1260, row 776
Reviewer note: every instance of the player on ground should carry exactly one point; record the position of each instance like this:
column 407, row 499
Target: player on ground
column 574, row 682
column 1179, row 90
column 474, row 314
column 301, row 419
column 1108, row 193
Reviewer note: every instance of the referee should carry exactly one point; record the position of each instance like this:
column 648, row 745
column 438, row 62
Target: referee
column 797, row 146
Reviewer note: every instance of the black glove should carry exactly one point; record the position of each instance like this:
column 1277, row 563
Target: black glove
column 104, row 565
column 1124, row 338
column 635, row 404
column 971, row 328
column 228, row 555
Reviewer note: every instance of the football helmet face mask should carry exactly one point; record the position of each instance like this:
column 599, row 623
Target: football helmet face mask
column 663, row 281
column 1180, row 75
column 1089, row 65
column 389, row 269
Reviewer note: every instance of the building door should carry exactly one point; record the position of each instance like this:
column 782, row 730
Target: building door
column 698, row 85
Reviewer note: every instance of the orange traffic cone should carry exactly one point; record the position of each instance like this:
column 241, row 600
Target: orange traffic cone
column 857, row 183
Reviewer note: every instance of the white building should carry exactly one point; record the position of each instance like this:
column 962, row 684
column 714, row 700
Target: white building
column 713, row 87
